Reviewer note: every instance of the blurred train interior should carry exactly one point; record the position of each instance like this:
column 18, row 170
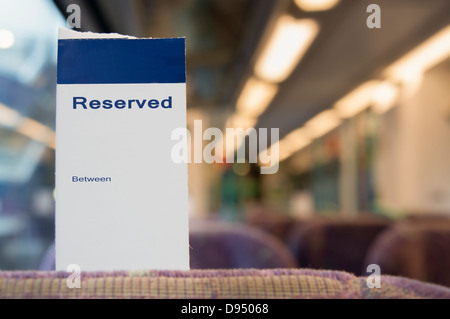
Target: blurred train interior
column 362, row 108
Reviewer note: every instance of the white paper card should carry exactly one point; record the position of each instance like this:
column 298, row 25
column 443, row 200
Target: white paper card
column 121, row 202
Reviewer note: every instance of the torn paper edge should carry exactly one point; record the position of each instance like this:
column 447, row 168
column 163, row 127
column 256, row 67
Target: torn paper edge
column 67, row 34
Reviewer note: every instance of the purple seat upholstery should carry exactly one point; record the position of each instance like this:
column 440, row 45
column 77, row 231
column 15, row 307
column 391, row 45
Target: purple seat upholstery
column 415, row 249
column 335, row 244
column 226, row 245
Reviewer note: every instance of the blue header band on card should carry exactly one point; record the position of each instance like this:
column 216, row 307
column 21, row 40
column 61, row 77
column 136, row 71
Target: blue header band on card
column 102, row 61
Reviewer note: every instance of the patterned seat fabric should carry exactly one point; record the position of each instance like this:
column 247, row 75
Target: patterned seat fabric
column 221, row 284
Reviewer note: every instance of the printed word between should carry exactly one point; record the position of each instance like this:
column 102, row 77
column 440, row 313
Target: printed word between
column 77, row 179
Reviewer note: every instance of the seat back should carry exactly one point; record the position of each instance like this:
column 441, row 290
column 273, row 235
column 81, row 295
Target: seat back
column 415, row 249
column 231, row 245
column 335, row 244
column 275, row 224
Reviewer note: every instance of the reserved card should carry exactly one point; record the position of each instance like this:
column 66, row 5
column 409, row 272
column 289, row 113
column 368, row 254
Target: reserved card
column 121, row 202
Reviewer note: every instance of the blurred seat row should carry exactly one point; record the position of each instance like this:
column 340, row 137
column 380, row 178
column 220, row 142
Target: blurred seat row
column 416, row 248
